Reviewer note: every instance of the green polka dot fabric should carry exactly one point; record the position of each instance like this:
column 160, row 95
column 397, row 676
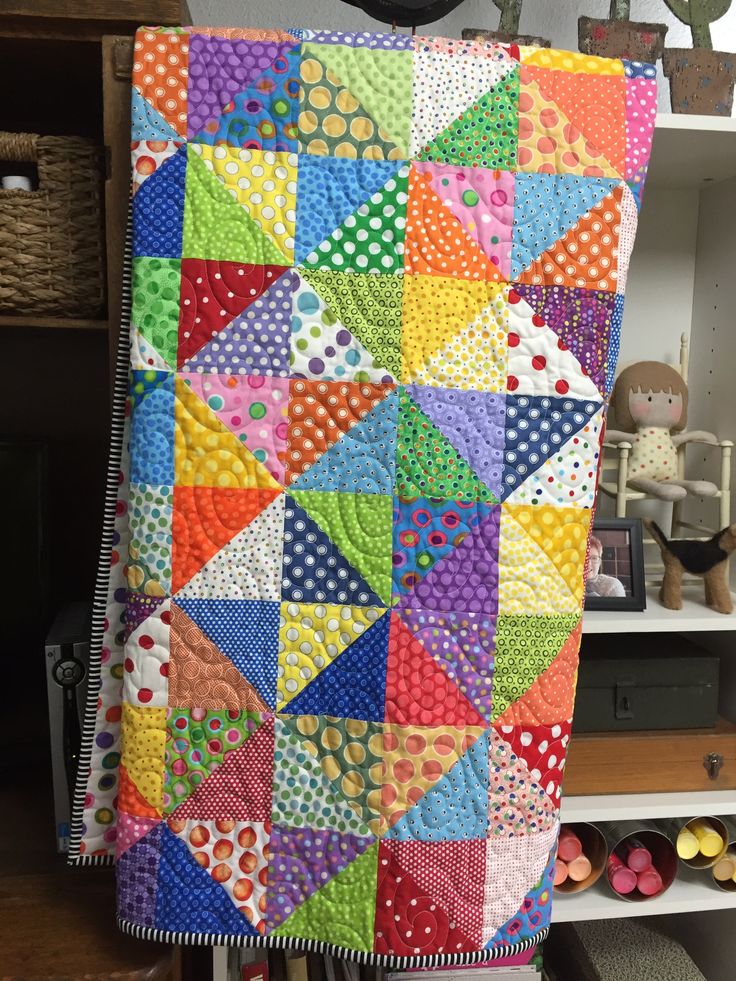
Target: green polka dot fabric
column 150, row 531
column 304, row 795
column 485, row 135
column 380, row 80
column 332, row 121
column 428, row 464
column 371, row 239
column 215, row 227
column 156, row 286
column 377, row 290
column 369, row 306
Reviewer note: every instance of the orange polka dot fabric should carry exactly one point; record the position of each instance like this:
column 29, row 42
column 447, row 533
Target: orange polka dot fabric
column 319, row 414
column 160, row 74
column 436, row 244
column 597, row 103
column 586, row 256
column 549, row 143
column 378, row 286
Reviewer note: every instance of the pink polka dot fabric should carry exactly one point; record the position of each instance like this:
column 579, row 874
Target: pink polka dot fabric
column 254, row 407
column 483, row 200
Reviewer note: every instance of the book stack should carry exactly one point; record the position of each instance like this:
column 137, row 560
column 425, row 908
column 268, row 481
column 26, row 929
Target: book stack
column 506, row 970
column 277, row 965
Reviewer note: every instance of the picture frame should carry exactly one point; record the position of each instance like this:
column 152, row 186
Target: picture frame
column 614, row 572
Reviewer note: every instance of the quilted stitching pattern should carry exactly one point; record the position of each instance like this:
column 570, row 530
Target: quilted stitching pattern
column 377, row 297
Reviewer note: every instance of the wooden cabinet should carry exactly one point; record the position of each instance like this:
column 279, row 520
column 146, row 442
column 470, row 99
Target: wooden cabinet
column 65, row 69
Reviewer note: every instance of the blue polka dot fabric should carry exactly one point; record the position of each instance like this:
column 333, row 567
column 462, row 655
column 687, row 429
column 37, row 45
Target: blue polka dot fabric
column 330, row 189
column 363, row 461
column 614, row 343
column 158, row 208
column 247, row 631
column 147, row 124
column 152, row 435
column 353, row 686
column 264, row 116
column 314, row 569
column 537, row 426
column 545, row 207
column 179, row 876
column 456, row 808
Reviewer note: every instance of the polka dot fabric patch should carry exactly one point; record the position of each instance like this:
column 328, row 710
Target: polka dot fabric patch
column 221, row 67
column 264, row 184
column 160, row 74
column 332, row 121
column 147, row 156
column 378, row 290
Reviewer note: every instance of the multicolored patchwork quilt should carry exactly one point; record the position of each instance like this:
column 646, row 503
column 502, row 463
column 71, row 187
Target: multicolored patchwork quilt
column 377, row 291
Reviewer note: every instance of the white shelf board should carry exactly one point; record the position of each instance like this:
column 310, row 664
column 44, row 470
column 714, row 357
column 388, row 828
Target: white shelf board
column 694, row 616
column 690, row 892
column 624, row 807
column 691, row 150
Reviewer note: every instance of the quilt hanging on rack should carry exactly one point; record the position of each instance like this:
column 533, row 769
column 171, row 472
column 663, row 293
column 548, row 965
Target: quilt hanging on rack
column 377, row 291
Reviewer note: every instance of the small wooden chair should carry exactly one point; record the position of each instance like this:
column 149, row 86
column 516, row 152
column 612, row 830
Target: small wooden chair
column 616, row 462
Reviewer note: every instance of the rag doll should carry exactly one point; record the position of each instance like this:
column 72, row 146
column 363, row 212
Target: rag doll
column 650, row 400
column 705, row 559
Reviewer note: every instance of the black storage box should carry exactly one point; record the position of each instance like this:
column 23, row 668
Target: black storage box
column 641, row 689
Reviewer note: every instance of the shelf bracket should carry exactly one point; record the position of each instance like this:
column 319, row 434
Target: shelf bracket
column 713, row 763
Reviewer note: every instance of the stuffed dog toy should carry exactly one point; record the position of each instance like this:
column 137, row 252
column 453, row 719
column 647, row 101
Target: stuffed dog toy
column 705, row 559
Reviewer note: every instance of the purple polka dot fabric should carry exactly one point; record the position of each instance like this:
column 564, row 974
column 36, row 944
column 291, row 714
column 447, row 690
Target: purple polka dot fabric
column 219, row 68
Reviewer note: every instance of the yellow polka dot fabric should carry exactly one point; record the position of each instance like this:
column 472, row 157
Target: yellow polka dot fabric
column 206, row 452
column 144, row 735
column 571, row 61
column 263, row 183
column 311, row 637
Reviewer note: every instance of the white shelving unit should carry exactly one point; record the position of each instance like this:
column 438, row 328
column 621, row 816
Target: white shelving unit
column 624, row 807
column 689, row 892
column 691, row 150
column 682, row 279
column 694, row 617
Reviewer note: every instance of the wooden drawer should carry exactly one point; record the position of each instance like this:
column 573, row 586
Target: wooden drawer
column 649, row 762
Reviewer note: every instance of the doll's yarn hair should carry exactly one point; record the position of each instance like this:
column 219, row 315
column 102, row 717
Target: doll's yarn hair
column 646, row 376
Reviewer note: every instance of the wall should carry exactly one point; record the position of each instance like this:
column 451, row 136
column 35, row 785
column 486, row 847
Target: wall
column 555, row 20
column 659, row 289
column 712, row 403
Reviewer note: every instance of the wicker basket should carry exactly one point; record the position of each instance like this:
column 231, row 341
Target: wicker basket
column 52, row 239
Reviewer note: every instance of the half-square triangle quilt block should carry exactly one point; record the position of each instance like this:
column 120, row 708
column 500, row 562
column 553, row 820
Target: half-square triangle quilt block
column 378, row 287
